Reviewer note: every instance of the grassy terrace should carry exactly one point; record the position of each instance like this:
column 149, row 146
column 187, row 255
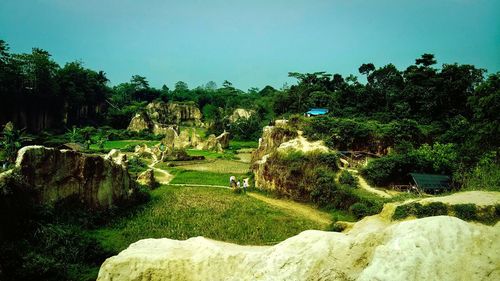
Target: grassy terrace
column 119, row 144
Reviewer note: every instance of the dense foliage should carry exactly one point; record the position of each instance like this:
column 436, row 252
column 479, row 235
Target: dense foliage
column 395, row 112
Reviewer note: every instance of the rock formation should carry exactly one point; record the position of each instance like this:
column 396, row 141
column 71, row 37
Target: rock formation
column 140, row 122
column 52, row 175
column 272, row 137
column 223, row 139
column 240, row 113
column 376, row 248
column 158, row 117
column 188, row 138
column 148, row 179
column 279, row 139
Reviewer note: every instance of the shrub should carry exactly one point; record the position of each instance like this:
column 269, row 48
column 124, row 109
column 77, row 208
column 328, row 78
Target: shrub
column 324, row 188
column 336, row 227
column 359, row 210
column 348, row 179
column 432, row 209
column 329, row 159
column 466, row 212
column 406, row 210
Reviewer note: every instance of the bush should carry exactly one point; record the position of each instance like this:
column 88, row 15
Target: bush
column 324, row 188
column 348, row 179
column 359, row 210
column 432, row 209
column 336, row 227
column 329, row 159
column 466, row 212
column 406, row 210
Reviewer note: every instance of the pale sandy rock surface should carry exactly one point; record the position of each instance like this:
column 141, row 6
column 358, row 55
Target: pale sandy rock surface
column 479, row 198
column 140, row 122
column 302, row 144
column 240, row 113
column 435, row 248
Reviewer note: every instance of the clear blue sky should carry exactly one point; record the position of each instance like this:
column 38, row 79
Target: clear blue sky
column 254, row 42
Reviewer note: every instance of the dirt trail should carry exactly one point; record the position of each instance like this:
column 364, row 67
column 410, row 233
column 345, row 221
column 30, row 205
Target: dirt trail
column 295, row 208
column 162, row 176
column 305, row 211
column 364, row 185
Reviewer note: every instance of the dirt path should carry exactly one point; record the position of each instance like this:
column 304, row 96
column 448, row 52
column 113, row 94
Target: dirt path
column 295, row 208
column 364, row 185
column 162, row 176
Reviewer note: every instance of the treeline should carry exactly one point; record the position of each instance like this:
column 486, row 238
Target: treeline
column 38, row 94
column 395, row 111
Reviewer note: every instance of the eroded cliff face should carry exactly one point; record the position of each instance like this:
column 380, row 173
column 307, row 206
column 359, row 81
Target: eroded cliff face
column 283, row 140
column 159, row 116
column 272, row 138
column 376, row 248
column 52, row 175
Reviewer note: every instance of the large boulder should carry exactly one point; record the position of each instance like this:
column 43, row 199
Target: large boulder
column 140, row 122
column 376, row 248
column 52, row 175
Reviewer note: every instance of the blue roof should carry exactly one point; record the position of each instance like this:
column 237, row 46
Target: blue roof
column 317, row 111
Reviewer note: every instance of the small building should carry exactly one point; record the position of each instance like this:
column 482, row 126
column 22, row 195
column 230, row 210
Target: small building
column 316, row 112
column 430, row 183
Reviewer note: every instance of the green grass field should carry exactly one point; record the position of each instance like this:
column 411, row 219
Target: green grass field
column 216, row 213
column 119, row 144
column 197, row 177
column 235, row 145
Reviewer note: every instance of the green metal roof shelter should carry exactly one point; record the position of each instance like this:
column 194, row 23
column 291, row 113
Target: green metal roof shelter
column 429, row 182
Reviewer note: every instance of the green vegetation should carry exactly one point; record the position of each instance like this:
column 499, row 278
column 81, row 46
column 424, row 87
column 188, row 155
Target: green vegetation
column 465, row 212
column 197, row 177
column 123, row 144
column 348, row 179
column 216, row 213
column 238, row 144
column 468, row 212
column 312, row 178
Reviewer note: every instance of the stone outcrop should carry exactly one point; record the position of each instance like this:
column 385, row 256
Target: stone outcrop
column 158, row 117
column 148, row 179
column 272, row 138
column 52, row 175
column 223, row 139
column 188, row 138
column 376, row 248
column 279, row 139
column 140, row 122
column 240, row 113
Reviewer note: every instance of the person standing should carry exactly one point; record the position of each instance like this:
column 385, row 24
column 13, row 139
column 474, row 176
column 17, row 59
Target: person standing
column 245, row 185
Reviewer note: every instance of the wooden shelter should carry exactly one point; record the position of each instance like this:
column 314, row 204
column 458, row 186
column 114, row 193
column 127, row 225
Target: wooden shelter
column 430, row 183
